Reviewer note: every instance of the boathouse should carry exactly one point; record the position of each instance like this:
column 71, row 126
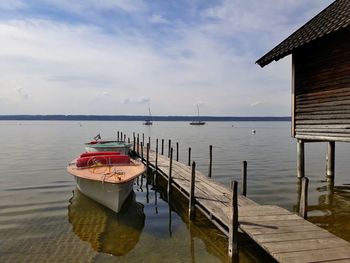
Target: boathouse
column 320, row 52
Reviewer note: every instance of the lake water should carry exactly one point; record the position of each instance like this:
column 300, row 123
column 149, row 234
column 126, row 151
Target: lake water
column 44, row 218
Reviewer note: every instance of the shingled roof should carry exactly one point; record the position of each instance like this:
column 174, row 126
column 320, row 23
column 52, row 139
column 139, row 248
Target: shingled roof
column 332, row 19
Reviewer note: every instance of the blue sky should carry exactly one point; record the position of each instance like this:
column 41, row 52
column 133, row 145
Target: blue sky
column 119, row 56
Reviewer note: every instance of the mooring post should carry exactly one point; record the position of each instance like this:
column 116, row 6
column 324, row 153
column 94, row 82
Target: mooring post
column 143, row 138
column 124, row 137
column 189, row 156
column 134, row 147
column 210, row 160
column 162, row 153
column 330, row 161
column 118, row 136
column 149, row 141
column 141, row 151
column 156, row 164
column 170, row 171
column 147, row 156
column 177, row 151
column 300, row 159
column 138, row 144
column 121, row 136
column 244, row 178
column 192, row 203
column 128, row 139
column 233, row 224
column 303, row 197
column 169, row 147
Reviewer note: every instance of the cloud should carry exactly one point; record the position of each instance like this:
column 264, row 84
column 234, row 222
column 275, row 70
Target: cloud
column 12, row 4
column 158, row 19
column 22, row 93
column 255, row 103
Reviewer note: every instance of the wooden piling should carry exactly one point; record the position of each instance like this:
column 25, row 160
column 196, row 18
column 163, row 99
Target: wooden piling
column 210, row 160
column 177, row 151
column 147, row 156
column 330, row 172
column 149, row 141
column 169, row 147
column 162, row 147
column 244, row 178
column 128, row 139
column 134, row 146
column 141, row 151
column 300, row 159
column 156, row 164
column 118, row 136
column 124, row 137
column 192, row 200
column 233, row 224
column 143, row 138
column 138, row 144
column 189, row 156
column 303, row 197
column 121, row 136
column 170, row 171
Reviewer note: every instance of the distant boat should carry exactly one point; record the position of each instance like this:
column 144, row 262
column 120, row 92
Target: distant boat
column 149, row 121
column 197, row 122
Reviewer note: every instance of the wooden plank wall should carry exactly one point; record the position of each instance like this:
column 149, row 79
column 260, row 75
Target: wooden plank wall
column 322, row 89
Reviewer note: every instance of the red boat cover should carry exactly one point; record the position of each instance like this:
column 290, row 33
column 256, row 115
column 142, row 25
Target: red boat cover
column 103, row 159
column 98, row 153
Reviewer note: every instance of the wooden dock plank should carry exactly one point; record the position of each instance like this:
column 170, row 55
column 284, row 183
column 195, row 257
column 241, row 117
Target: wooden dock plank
column 284, row 235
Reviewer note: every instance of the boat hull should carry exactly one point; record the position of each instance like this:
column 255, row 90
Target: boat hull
column 110, row 195
column 121, row 149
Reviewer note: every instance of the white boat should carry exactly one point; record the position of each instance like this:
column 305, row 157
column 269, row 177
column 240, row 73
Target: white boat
column 197, row 122
column 106, row 146
column 107, row 178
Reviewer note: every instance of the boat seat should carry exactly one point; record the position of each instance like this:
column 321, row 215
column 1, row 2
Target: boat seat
column 98, row 153
column 102, row 159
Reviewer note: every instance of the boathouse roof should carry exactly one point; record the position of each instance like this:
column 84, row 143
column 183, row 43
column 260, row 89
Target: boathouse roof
column 332, row 19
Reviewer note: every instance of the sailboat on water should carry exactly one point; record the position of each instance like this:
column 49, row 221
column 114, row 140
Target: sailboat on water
column 197, row 122
column 149, row 120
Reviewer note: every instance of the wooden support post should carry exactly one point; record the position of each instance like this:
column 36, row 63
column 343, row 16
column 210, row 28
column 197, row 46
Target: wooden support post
column 141, row 151
column 233, row 224
column 128, row 139
column 149, row 141
column 170, row 171
column 134, row 147
column 156, row 164
column 244, row 178
column 143, row 138
column 192, row 203
column 300, row 159
column 303, row 197
column 189, row 156
column 118, row 136
column 124, row 137
column 210, row 160
column 121, row 136
column 169, row 147
column 147, row 156
column 138, row 143
column 162, row 152
column 177, row 151
column 330, row 161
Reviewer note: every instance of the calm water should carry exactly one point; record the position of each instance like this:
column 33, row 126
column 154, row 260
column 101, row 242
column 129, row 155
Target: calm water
column 44, row 218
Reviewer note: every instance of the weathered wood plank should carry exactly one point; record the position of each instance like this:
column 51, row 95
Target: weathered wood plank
column 279, row 237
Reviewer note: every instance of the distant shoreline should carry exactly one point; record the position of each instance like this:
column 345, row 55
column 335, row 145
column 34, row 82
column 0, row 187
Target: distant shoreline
column 137, row 118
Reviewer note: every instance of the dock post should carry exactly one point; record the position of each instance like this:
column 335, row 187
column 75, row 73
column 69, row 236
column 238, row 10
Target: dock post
column 128, row 139
column 330, row 161
column 210, row 160
column 177, row 151
column 170, row 171
column 134, row 147
column 121, row 136
column 149, row 141
column 303, row 197
column 233, row 225
column 147, row 156
column 141, row 151
column 192, row 203
column 244, row 178
column 300, row 159
column 189, row 156
column 156, row 163
column 118, row 136
column 143, row 138
column 162, row 153
column 124, row 137
column 138, row 143
column 169, row 147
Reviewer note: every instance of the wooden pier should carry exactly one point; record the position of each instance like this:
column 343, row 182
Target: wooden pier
column 284, row 235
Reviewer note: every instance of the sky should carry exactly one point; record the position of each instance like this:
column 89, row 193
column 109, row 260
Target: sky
column 120, row 57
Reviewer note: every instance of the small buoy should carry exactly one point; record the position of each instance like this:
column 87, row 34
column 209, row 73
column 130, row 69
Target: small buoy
column 253, row 131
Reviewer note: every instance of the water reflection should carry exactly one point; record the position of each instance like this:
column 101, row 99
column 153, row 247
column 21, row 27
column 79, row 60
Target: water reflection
column 105, row 230
column 333, row 209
